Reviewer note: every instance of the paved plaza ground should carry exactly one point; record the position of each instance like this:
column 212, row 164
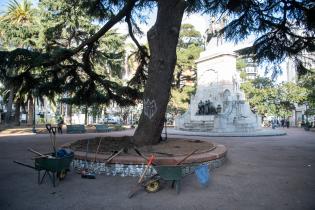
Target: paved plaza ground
column 260, row 173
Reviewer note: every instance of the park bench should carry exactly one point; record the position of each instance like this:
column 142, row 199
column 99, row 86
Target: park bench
column 78, row 128
column 102, row 128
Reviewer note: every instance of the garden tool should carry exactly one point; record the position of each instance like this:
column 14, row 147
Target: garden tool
column 86, row 173
column 139, row 183
column 114, row 155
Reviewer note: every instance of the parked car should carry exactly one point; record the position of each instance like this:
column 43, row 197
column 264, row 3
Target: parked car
column 112, row 120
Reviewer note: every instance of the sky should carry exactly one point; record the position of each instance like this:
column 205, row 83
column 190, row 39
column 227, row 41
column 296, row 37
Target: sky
column 3, row 4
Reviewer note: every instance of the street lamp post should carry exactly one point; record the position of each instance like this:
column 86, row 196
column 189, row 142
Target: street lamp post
column 34, row 114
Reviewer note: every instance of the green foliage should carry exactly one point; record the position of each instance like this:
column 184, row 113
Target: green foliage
column 263, row 82
column 18, row 28
column 109, row 57
column 73, row 57
column 18, row 25
column 259, row 98
column 189, row 36
column 90, row 77
column 67, row 24
column 188, row 50
column 240, row 64
column 308, row 82
column 179, row 101
column 243, row 75
column 64, row 25
column 270, row 99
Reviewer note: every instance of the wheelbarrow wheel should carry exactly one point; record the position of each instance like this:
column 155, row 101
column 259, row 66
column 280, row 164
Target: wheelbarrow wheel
column 62, row 174
column 152, row 186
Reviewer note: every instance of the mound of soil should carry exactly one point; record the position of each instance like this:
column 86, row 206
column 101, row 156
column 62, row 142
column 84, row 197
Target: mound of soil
column 171, row 147
column 104, row 144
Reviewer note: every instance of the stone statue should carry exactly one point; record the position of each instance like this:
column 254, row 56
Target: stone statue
column 201, row 108
column 207, row 107
column 212, row 109
column 212, row 33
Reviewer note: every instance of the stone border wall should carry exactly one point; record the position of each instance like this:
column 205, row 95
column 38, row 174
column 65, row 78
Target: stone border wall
column 136, row 170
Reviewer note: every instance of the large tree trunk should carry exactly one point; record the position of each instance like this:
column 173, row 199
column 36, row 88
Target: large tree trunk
column 30, row 111
column 7, row 119
column 17, row 112
column 69, row 114
column 86, row 115
column 162, row 38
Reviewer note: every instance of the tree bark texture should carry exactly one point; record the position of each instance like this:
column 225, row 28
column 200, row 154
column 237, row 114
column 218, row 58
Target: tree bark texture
column 163, row 39
column 86, row 115
column 7, row 119
column 30, row 111
column 17, row 113
column 69, row 114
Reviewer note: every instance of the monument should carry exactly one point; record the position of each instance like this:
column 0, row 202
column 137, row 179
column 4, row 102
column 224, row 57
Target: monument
column 219, row 104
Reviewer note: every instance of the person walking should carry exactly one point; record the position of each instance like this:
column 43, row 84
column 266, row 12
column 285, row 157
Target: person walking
column 59, row 124
column 287, row 123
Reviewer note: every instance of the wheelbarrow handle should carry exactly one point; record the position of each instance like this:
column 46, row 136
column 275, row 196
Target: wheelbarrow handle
column 185, row 158
column 139, row 183
column 23, row 164
column 98, row 147
column 35, row 152
column 114, row 155
column 141, row 155
column 38, row 153
column 146, row 168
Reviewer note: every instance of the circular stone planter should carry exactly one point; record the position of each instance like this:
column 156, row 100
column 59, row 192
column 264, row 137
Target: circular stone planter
column 129, row 163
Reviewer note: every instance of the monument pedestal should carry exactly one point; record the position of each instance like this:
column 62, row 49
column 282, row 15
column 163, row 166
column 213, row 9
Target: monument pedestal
column 218, row 88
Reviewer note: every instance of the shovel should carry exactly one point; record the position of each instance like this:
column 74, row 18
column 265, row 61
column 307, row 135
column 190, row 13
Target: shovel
column 139, row 183
column 113, row 156
column 86, row 173
column 39, row 154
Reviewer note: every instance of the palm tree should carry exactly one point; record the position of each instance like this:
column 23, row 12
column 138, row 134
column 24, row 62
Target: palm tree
column 19, row 13
column 18, row 16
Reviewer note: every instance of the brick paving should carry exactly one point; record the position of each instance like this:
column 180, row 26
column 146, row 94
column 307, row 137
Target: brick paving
column 275, row 172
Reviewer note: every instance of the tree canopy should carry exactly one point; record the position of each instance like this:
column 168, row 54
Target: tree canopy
column 284, row 28
column 268, row 98
column 189, row 46
column 65, row 50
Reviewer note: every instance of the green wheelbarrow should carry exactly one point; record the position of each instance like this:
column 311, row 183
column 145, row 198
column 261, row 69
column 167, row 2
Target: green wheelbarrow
column 167, row 173
column 54, row 167
column 171, row 173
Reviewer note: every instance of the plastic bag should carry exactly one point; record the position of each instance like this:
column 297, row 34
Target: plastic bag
column 202, row 173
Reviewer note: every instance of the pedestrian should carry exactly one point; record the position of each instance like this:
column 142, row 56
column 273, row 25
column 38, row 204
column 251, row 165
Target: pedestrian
column 287, row 123
column 273, row 123
column 59, row 124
